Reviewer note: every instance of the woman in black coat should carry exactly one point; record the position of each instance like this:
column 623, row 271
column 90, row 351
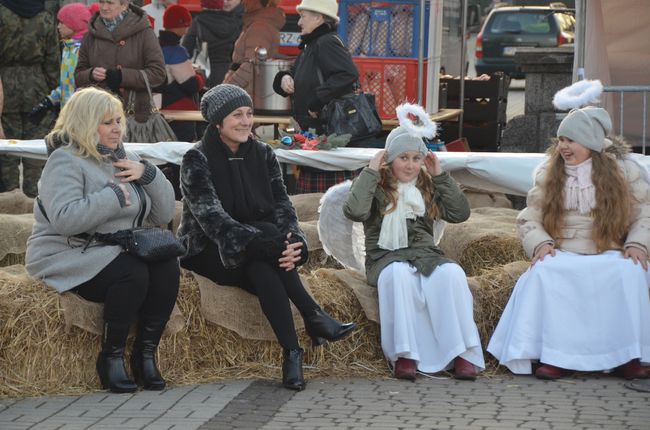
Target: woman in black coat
column 321, row 51
column 240, row 228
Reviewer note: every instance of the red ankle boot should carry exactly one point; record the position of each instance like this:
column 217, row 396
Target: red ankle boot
column 549, row 372
column 464, row 370
column 405, row 368
column 632, row 370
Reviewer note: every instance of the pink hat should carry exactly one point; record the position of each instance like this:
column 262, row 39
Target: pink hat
column 93, row 8
column 75, row 16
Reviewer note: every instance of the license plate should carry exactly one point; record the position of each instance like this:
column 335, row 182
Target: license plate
column 509, row 51
column 289, row 39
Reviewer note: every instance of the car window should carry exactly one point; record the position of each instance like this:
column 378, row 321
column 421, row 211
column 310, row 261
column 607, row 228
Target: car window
column 520, row 22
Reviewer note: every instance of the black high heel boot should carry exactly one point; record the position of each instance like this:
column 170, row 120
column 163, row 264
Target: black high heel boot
column 143, row 358
column 292, row 376
column 110, row 362
column 321, row 327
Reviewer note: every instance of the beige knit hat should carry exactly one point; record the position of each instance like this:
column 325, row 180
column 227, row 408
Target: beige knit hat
column 588, row 126
column 325, row 7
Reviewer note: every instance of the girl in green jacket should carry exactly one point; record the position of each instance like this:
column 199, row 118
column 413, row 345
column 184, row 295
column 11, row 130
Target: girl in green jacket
column 425, row 304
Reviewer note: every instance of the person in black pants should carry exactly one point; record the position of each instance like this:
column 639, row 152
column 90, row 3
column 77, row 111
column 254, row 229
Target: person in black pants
column 240, row 228
column 91, row 184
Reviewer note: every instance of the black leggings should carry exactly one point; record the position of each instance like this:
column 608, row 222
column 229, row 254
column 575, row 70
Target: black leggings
column 131, row 288
column 273, row 286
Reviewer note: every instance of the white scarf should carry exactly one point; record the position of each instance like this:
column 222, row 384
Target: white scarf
column 410, row 205
column 579, row 191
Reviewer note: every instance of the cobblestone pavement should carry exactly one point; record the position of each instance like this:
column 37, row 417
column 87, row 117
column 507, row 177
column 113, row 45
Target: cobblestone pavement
column 489, row 403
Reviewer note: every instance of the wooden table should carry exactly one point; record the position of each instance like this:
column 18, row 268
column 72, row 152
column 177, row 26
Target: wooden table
column 189, row 115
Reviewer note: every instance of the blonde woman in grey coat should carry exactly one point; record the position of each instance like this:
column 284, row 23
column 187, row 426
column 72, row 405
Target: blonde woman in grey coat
column 90, row 184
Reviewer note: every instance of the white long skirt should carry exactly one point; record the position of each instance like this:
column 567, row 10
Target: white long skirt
column 428, row 319
column 578, row 312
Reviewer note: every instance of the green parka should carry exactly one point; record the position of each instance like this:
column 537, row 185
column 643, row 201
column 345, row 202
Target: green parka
column 365, row 203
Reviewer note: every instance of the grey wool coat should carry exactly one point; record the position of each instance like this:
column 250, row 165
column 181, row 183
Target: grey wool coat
column 204, row 219
column 80, row 195
column 365, row 203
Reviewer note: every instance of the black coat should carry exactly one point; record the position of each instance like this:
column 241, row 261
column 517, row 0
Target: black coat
column 204, row 218
column 220, row 30
column 322, row 49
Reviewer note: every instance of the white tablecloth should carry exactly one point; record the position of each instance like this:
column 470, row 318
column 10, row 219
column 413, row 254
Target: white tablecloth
column 497, row 172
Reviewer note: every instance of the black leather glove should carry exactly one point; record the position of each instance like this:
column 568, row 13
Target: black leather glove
column 267, row 249
column 114, row 79
column 40, row 110
column 304, row 252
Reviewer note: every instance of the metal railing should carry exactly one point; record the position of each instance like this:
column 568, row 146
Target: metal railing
column 622, row 90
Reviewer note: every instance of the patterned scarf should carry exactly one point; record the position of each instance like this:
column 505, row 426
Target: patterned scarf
column 394, row 229
column 112, row 24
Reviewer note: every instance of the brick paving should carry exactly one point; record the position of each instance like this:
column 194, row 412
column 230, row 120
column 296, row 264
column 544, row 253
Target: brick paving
column 592, row 402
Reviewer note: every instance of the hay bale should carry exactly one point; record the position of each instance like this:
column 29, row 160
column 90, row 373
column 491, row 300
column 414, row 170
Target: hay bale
column 39, row 356
column 491, row 291
column 306, row 205
column 15, row 202
column 14, row 232
column 488, row 239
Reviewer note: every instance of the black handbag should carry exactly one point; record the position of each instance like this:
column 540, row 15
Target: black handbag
column 150, row 244
column 354, row 114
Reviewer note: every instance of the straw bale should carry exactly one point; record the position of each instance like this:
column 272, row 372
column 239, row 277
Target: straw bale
column 40, row 356
column 306, row 205
column 15, row 202
column 356, row 282
column 89, row 316
column 488, row 239
column 14, row 231
column 491, row 291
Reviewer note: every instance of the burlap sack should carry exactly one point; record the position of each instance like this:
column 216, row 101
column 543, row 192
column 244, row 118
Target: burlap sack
column 482, row 199
column 311, row 234
column 14, row 232
column 15, row 202
column 89, row 316
column 238, row 310
column 306, row 205
column 177, row 216
column 356, row 282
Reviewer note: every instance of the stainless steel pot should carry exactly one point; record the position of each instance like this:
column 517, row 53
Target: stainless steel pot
column 265, row 100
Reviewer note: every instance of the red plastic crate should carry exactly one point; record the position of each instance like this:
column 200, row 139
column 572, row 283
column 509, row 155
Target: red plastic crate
column 391, row 80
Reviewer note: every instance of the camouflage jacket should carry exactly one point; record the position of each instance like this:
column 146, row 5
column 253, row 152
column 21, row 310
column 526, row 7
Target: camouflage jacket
column 29, row 59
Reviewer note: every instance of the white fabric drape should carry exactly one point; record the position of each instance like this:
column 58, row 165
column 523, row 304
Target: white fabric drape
column 428, row 319
column 578, row 312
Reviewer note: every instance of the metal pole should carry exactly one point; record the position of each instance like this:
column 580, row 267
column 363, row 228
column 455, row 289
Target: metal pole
column 421, row 53
column 463, row 48
column 581, row 23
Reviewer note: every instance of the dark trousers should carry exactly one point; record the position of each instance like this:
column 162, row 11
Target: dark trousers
column 273, row 286
column 131, row 288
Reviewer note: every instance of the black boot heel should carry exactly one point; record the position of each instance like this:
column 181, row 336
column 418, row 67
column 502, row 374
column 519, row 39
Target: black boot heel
column 321, row 327
column 292, row 376
column 143, row 360
column 110, row 362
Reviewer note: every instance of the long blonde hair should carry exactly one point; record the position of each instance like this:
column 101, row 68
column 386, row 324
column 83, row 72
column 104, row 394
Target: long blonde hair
column 388, row 182
column 80, row 118
column 613, row 211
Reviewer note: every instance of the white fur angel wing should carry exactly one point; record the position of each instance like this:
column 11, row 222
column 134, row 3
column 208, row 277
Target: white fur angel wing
column 341, row 238
column 438, row 230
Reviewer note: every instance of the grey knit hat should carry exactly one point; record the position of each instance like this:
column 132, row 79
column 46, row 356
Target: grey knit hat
column 399, row 140
column 588, row 126
column 221, row 100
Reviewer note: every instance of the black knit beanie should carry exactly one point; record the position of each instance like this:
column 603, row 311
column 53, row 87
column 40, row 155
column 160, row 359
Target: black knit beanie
column 221, row 100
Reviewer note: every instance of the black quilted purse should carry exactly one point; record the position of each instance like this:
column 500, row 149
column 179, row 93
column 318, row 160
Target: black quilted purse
column 147, row 243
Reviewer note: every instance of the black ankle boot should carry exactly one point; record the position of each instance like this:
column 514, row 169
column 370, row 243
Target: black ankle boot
column 321, row 327
column 110, row 362
column 143, row 358
column 292, row 377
